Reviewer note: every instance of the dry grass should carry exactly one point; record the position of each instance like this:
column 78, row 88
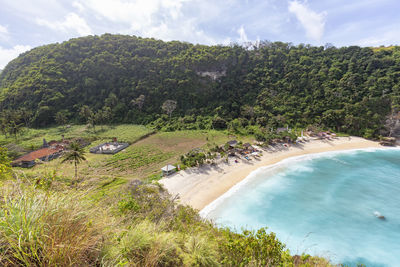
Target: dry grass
column 52, row 228
column 39, row 228
column 144, row 245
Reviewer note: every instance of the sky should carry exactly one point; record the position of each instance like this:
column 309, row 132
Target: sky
column 25, row 24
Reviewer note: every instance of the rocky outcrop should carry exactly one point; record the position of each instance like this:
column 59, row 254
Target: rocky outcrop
column 392, row 125
column 214, row 75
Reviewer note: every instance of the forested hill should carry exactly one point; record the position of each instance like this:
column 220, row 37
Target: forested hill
column 349, row 89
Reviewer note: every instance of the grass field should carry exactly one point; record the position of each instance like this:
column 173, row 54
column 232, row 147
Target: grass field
column 141, row 160
column 33, row 138
column 100, row 174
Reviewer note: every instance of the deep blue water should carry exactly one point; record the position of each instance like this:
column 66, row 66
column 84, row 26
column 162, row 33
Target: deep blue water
column 323, row 204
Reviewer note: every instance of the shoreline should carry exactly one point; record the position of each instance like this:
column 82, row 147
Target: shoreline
column 199, row 187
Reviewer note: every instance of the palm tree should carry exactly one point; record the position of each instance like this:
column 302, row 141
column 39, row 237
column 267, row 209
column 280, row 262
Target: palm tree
column 75, row 155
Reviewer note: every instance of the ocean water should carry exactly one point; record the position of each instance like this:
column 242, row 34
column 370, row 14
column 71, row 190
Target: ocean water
column 323, row 204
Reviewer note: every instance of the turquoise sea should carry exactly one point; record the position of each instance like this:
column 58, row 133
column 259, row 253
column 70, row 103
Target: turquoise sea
column 323, row 204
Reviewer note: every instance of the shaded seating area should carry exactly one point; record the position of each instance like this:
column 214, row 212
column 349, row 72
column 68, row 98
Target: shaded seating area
column 168, row 169
column 237, row 149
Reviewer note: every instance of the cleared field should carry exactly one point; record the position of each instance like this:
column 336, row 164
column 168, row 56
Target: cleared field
column 177, row 144
column 33, row 138
column 141, row 160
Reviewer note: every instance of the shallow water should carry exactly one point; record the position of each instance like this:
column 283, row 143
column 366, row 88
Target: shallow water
column 324, row 204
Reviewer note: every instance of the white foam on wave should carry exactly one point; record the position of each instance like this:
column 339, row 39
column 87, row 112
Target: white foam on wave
column 282, row 164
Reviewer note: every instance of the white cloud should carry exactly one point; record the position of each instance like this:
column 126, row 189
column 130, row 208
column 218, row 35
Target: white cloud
column 187, row 31
column 72, row 23
column 78, row 6
column 384, row 37
column 6, row 55
column 313, row 22
column 3, row 32
column 136, row 13
column 242, row 35
column 163, row 19
column 3, row 29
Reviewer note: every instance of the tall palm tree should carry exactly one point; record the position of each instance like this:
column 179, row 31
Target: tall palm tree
column 75, row 155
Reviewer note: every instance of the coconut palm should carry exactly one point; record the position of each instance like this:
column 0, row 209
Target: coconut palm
column 75, row 155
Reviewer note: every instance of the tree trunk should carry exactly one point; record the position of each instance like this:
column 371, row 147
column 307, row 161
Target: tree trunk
column 76, row 171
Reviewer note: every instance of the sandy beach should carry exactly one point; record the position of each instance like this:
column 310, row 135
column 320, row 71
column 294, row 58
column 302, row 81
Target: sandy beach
column 198, row 187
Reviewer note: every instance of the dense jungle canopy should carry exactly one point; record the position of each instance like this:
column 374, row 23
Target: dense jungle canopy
column 270, row 84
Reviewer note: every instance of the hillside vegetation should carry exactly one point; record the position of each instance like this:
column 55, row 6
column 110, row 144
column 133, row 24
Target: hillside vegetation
column 114, row 213
column 48, row 221
column 349, row 89
column 148, row 152
column 30, row 138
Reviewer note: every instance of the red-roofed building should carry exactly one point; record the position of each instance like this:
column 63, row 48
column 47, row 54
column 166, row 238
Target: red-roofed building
column 43, row 154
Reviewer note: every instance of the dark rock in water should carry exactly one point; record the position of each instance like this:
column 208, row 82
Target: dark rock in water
column 379, row 216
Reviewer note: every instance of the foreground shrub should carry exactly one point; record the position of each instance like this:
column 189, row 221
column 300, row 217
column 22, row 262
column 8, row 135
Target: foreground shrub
column 143, row 226
column 44, row 229
column 144, row 244
column 252, row 248
column 200, row 251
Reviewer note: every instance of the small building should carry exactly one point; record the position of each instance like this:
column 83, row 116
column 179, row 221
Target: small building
column 232, row 143
column 168, row 169
column 249, row 148
column 283, row 129
column 43, row 154
column 49, row 151
column 109, row 148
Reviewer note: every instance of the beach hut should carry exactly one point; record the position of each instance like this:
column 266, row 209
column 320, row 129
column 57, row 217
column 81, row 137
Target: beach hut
column 248, row 147
column 283, row 129
column 232, row 143
column 168, row 169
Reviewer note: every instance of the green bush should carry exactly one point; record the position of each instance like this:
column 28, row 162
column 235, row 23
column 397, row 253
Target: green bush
column 47, row 229
column 251, row 248
column 194, row 158
column 5, row 164
column 145, row 244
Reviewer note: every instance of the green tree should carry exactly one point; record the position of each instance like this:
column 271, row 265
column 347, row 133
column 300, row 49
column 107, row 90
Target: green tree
column 86, row 113
column 26, row 116
column 5, row 164
column 104, row 115
column 75, row 155
column 90, row 117
column 111, row 101
column 61, row 118
column 169, row 106
column 4, row 126
column 14, row 128
column 138, row 102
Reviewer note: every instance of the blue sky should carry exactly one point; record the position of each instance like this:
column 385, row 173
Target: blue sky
column 25, row 24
